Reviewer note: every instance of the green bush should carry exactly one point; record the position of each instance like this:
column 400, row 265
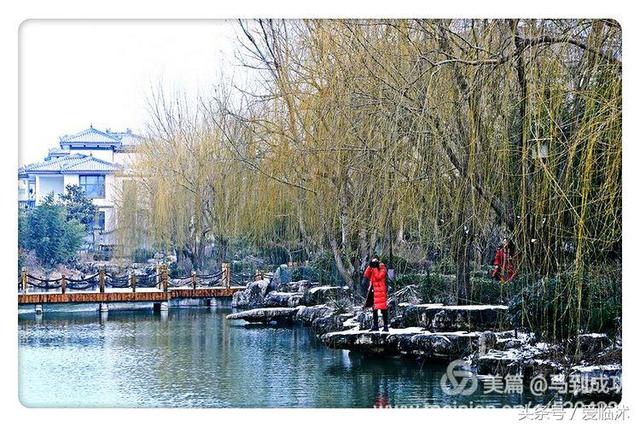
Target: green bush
column 445, row 266
column 46, row 231
column 549, row 305
column 433, row 287
column 485, row 290
column 305, row 272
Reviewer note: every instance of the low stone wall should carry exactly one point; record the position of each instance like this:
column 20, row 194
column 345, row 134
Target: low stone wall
column 481, row 334
column 448, row 318
column 414, row 341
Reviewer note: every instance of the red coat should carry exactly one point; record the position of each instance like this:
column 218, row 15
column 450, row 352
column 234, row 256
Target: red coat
column 378, row 279
column 503, row 263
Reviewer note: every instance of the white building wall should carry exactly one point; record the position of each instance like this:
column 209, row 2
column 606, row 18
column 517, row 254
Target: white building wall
column 23, row 189
column 109, row 219
column 48, row 184
column 71, row 180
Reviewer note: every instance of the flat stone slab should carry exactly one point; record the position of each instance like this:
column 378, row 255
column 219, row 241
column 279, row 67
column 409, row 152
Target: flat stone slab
column 597, row 381
column 412, row 341
column 265, row 315
column 450, row 318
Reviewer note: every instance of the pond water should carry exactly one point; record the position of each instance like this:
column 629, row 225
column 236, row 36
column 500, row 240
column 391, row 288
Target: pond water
column 194, row 357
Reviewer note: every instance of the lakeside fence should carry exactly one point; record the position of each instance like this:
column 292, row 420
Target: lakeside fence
column 102, row 280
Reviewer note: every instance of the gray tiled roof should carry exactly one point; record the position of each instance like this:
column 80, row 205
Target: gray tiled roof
column 91, row 136
column 127, row 138
column 70, row 164
column 56, row 152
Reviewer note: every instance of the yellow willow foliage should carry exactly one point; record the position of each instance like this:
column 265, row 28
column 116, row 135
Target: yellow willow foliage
column 432, row 135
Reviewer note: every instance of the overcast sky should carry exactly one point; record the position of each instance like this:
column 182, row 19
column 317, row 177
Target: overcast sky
column 74, row 74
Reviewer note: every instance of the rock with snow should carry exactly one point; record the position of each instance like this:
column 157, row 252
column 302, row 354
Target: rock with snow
column 506, row 340
column 544, row 367
column 282, row 299
column 364, row 341
column 306, row 315
column 598, row 381
column 351, row 323
column 440, row 345
column 528, row 360
column 418, row 315
column 331, row 323
column 593, row 343
column 252, row 297
column 499, row 362
column 280, row 315
column 406, row 341
column 324, row 294
column 486, row 342
column 300, row 286
column 281, row 278
column 449, row 318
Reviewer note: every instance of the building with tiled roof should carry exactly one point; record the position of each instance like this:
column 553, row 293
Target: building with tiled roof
column 91, row 159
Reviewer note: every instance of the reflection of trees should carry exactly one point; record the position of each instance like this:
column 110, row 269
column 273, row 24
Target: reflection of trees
column 198, row 358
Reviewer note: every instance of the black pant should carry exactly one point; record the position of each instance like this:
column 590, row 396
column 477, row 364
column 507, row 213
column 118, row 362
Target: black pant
column 385, row 318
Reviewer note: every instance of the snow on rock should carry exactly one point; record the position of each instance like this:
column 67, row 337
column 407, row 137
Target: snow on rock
column 486, row 342
column 324, row 294
column 306, row 315
column 330, row 323
column 300, row 286
column 601, row 380
column 282, row 299
column 265, row 315
column 253, row 296
column 507, row 340
column 593, row 343
column 408, row 341
column 443, row 318
column 528, row 360
column 281, row 278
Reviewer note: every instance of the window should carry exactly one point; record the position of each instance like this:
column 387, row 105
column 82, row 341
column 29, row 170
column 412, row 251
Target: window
column 98, row 222
column 93, row 185
column 101, row 220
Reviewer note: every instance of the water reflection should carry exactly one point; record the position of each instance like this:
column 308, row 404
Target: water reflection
column 195, row 357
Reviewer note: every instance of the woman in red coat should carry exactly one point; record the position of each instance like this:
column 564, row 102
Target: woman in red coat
column 376, row 272
column 503, row 263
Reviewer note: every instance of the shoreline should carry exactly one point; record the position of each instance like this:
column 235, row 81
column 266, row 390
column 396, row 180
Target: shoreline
column 479, row 335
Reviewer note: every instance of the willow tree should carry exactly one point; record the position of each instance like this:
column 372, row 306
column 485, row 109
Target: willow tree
column 493, row 126
column 433, row 136
column 182, row 192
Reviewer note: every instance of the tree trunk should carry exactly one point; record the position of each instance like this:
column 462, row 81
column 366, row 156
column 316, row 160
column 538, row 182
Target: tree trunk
column 345, row 272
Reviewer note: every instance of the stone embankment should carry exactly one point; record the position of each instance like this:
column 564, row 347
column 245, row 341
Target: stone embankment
column 481, row 334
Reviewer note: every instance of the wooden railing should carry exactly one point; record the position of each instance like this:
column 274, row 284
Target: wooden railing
column 161, row 280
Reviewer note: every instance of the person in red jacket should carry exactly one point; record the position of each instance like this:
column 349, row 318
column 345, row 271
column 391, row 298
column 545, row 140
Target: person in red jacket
column 503, row 263
column 376, row 272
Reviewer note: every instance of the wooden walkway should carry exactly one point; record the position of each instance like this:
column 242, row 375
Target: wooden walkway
column 126, row 295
